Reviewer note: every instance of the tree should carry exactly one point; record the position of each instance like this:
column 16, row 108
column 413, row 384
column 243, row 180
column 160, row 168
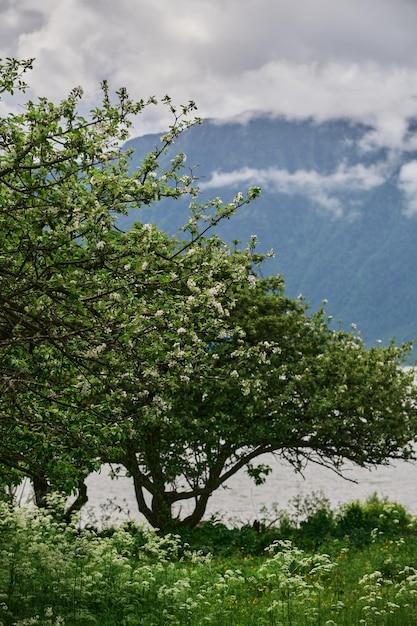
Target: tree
column 285, row 384
column 77, row 293
column 166, row 355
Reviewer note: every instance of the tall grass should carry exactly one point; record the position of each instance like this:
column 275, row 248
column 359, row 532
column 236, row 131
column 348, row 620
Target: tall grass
column 361, row 568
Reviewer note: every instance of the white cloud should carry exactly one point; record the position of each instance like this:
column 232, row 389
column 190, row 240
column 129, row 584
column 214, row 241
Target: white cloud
column 407, row 182
column 321, row 189
column 384, row 99
column 298, row 58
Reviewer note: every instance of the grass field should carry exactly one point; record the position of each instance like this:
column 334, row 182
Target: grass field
column 357, row 565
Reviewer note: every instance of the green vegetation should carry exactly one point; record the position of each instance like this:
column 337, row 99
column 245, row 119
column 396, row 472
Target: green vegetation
column 361, row 571
column 171, row 357
column 167, row 355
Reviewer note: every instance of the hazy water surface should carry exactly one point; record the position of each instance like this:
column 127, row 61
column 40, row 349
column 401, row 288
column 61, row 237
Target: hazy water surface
column 242, row 501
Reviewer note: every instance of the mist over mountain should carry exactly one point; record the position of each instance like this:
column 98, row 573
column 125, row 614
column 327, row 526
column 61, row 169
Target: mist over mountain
column 339, row 211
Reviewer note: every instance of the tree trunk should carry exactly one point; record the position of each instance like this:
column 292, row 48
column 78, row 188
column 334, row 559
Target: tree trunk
column 200, row 508
column 41, row 490
column 159, row 512
column 159, row 515
column 78, row 503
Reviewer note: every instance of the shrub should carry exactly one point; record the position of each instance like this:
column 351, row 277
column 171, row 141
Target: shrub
column 356, row 521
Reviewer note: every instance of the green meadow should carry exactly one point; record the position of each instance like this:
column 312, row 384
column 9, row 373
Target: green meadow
column 314, row 565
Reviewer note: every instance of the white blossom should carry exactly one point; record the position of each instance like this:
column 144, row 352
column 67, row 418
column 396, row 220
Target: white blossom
column 95, row 351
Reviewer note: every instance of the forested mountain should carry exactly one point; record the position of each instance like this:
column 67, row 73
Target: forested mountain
column 336, row 209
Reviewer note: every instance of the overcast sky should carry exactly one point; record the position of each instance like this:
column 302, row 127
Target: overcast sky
column 326, row 58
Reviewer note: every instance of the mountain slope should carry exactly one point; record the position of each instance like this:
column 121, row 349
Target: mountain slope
column 332, row 209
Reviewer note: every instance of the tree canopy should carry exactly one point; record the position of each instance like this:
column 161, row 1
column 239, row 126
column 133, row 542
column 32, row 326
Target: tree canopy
column 169, row 356
column 286, row 384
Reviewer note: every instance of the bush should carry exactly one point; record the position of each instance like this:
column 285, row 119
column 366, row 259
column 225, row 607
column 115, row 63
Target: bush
column 356, row 520
column 214, row 537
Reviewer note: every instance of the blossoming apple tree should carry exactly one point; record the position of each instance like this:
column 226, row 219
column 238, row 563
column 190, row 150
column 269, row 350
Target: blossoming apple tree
column 166, row 355
column 78, row 294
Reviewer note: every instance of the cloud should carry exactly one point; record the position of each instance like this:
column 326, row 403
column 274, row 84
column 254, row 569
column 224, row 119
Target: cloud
column 407, row 182
column 326, row 59
column 324, row 190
